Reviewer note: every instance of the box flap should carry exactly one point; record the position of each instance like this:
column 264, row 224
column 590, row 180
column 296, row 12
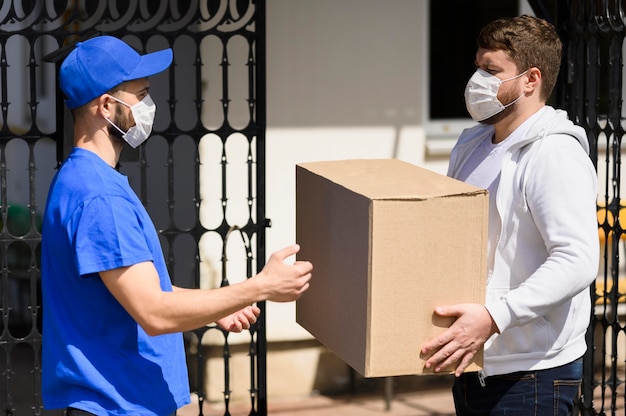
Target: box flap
column 389, row 179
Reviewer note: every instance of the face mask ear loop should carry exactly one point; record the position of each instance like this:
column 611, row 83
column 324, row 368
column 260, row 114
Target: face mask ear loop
column 505, row 80
column 518, row 98
column 114, row 125
column 515, row 100
column 119, row 101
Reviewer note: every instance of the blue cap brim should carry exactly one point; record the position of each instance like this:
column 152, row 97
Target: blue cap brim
column 151, row 64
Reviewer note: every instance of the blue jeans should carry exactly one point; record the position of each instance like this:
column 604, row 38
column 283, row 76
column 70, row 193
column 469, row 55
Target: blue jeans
column 529, row 393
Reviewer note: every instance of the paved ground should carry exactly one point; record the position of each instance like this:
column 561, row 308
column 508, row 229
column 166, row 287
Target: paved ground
column 434, row 402
column 427, row 396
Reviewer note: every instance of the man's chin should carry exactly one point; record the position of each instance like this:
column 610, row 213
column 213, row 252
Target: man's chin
column 496, row 118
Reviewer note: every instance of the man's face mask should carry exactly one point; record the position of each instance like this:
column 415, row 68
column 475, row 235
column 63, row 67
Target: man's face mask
column 143, row 113
column 481, row 95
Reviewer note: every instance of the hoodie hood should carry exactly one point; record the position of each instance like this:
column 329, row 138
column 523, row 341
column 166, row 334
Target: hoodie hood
column 554, row 121
column 550, row 121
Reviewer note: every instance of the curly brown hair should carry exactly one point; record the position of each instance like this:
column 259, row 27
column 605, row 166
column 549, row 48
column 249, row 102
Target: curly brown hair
column 529, row 42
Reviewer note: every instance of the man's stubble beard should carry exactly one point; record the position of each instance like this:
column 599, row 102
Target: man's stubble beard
column 507, row 97
column 122, row 121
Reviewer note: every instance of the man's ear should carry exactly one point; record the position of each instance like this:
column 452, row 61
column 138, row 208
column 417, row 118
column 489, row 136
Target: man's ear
column 534, row 79
column 105, row 106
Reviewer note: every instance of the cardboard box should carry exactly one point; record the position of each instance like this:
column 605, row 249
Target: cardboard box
column 389, row 241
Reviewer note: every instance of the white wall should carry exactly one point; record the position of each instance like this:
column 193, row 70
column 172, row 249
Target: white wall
column 343, row 82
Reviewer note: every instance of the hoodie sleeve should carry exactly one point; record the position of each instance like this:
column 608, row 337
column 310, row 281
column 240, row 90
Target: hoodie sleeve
column 561, row 195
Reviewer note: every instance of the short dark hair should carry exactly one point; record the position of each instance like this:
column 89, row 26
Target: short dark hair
column 529, row 42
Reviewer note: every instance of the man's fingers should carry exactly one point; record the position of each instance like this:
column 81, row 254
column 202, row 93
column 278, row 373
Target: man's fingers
column 251, row 313
column 436, row 343
column 442, row 359
column 235, row 326
column 467, row 359
column 449, row 358
column 286, row 252
column 305, row 267
column 448, row 310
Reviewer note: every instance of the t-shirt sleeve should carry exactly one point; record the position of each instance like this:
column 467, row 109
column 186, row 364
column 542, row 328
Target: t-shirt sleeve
column 108, row 233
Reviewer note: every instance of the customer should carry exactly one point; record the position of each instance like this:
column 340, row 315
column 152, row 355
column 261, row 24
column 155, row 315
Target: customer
column 112, row 324
column 543, row 241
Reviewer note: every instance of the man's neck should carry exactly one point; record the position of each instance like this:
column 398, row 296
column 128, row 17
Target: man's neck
column 504, row 128
column 106, row 147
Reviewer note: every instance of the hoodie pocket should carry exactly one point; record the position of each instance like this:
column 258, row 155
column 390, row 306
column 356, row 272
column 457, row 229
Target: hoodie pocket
column 534, row 337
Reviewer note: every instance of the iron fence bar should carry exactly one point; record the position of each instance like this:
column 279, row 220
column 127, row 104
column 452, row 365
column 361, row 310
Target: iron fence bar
column 590, row 89
column 262, row 221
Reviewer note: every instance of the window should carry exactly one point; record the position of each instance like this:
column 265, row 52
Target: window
column 454, row 26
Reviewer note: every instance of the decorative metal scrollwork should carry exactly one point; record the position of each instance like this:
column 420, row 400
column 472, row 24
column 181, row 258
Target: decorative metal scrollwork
column 167, row 16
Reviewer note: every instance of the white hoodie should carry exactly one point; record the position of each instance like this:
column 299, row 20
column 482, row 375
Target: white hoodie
column 546, row 253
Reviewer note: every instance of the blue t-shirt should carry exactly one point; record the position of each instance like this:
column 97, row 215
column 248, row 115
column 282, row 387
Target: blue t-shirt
column 95, row 355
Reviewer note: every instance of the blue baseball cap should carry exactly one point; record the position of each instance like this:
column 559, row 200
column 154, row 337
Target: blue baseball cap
column 99, row 64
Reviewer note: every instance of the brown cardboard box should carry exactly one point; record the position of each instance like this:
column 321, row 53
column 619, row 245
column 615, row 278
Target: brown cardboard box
column 389, row 241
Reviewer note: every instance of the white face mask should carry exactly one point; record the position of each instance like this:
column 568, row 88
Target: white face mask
column 481, row 95
column 143, row 113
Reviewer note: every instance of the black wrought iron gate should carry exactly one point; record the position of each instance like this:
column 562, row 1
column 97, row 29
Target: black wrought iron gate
column 209, row 136
column 209, row 139
column 591, row 90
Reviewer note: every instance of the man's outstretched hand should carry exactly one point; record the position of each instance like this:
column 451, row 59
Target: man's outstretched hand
column 285, row 282
column 240, row 320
